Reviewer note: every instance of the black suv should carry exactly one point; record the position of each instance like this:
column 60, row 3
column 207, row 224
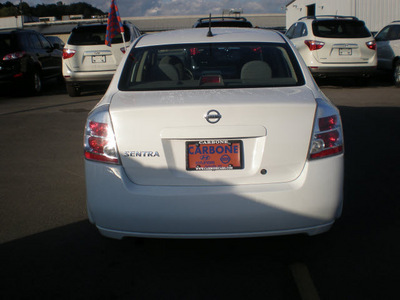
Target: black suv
column 26, row 59
column 223, row 22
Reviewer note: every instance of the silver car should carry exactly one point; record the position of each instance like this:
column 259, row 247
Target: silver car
column 213, row 135
column 388, row 43
column 88, row 62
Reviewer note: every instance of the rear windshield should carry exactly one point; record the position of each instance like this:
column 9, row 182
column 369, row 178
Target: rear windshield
column 340, row 29
column 198, row 66
column 95, row 35
column 7, row 43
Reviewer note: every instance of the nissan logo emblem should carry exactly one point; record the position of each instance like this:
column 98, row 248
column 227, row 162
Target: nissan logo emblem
column 213, row 116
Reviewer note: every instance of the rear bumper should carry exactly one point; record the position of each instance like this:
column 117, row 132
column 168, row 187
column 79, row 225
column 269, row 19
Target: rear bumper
column 87, row 78
column 335, row 71
column 120, row 208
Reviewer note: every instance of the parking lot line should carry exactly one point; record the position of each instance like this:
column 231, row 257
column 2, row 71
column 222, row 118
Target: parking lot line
column 304, row 283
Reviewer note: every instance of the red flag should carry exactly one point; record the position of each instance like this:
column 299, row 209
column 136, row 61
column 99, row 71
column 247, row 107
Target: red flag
column 114, row 24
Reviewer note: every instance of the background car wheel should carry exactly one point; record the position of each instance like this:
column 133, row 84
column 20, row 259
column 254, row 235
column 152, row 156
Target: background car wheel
column 35, row 83
column 73, row 91
column 396, row 74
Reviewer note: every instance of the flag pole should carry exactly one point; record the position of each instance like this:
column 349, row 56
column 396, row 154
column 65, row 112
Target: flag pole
column 123, row 38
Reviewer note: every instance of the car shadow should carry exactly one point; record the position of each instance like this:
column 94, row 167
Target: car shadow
column 378, row 79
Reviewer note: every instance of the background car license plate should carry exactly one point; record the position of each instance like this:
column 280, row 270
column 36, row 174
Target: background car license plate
column 345, row 51
column 99, row 59
column 214, row 155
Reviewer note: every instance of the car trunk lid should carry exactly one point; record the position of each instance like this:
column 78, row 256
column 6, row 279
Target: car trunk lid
column 269, row 129
column 344, row 51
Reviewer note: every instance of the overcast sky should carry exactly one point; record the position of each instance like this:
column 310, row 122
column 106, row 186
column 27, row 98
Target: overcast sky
column 137, row 8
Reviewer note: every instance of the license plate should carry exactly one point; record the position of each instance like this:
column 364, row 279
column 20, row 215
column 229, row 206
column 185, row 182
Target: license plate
column 345, row 51
column 212, row 155
column 99, row 59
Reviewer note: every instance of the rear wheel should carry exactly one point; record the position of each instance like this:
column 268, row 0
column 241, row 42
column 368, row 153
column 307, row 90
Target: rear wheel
column 35, row 82
column 73, row 91
column 396, row 73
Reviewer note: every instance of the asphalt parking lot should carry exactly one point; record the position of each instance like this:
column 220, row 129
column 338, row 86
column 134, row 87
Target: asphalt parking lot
column 48, row 249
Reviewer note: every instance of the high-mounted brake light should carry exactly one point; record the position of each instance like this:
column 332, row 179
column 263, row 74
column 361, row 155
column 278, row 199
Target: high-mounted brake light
column 194, row 51
column 99, row 141
column 314, row 45
column 371, row 45
column 14, row 55
column 327, row 137
column 68, row 53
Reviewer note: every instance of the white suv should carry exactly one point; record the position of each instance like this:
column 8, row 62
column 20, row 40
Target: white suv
column 388, row 42
column 334, row 45
column 87, row 61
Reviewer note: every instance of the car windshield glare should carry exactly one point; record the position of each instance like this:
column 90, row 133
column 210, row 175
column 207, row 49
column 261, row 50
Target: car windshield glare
column 340, row 29
column 210, row 66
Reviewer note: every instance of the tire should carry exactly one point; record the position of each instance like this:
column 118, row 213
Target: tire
column 35, row 83
column 396, row 73
column 73, row 91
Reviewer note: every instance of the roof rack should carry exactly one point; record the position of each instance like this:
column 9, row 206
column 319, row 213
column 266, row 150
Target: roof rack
column 222, row 18
column 330, row 17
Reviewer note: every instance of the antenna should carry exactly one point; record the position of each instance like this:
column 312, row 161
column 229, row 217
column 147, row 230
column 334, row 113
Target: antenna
column 209, row 34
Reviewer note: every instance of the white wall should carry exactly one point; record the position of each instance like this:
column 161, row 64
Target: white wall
column 11, row 22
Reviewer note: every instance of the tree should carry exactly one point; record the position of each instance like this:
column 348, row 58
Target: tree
column 42, row 10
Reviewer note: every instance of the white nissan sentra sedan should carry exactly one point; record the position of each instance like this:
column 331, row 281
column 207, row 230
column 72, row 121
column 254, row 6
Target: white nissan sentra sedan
column 219, row 135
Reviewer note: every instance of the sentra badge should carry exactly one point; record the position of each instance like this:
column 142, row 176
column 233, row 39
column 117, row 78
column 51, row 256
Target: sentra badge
column 141, row 154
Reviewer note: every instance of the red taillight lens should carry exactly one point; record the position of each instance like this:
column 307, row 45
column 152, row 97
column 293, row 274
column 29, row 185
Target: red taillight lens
column 18, row 75
column 97, row 144
column 99, row 138
column 371, row 45
column 327, row 138
column 327, row 123
column 314, row 45
column 14, row 55
column 68, row 53
column 98, row 129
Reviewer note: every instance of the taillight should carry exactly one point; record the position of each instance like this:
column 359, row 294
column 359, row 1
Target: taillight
column 327, row 137
column 371, row 45
column 14, row 55
column 99, row 140
column 68, row 53
column 314, row 45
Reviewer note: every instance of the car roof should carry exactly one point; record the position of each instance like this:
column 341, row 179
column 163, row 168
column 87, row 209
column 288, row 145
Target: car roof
column 220, row 21
column 15, row 31
column 328, row 17
column 200, row 35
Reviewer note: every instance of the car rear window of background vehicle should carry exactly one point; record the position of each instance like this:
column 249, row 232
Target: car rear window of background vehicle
column 95, row 35
column 340, row 29
column 7, row 43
